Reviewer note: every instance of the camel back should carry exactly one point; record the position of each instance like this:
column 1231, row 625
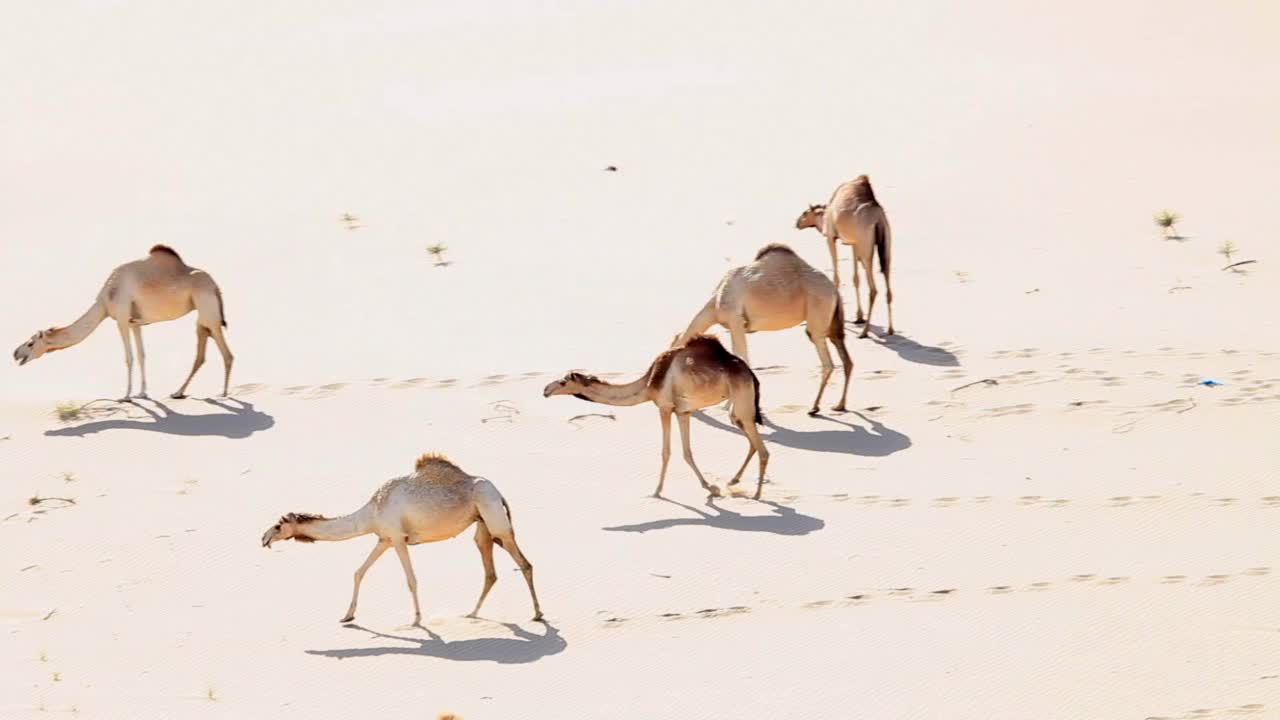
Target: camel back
column 435, row 461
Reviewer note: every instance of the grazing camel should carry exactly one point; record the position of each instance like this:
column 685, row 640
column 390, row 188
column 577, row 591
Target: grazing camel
column 776, row 292
column 437, row 502
column 698, row 374
column 856, row 218
column 138, row 293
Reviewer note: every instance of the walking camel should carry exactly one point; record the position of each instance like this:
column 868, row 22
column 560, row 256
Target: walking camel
column 683, row 380
column 156, row 289
column 437, row 502
column 855, row 217
column 779, row 291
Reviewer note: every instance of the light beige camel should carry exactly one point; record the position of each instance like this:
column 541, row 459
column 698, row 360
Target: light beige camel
column 776, row 292
column 437, row 502
column 138, row 293
column 855, row 217
column 698, row 374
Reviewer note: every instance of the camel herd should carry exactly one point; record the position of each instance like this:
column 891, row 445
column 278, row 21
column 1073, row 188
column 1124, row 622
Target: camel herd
column 438, row 501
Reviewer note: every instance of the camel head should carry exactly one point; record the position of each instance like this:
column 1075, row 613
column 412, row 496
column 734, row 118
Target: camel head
column 290, row 527
column 573, row 383
column 811, row 218
column 39, row 344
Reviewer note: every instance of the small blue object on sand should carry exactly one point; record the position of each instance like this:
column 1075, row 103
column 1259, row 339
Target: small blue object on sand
column 1209, row 382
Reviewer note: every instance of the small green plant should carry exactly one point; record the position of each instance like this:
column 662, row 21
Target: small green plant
column 57, row 677
column 1227, row 249
column 1167, row 221
column 437, row 251
column 44, row 656
column 66, row 411
column 211, row 694
column 68, row 477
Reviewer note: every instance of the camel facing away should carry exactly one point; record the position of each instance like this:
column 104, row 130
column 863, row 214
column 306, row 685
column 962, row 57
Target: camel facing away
column 437, row 502
column 698, row 374
column 779, row 291
column 855, row 217
column 156, row 289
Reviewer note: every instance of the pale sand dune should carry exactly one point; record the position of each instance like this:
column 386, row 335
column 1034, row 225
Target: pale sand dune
column 1091, row 535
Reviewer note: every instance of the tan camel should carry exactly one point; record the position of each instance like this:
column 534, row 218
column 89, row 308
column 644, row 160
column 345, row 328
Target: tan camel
column 855, row 217
column 776, row 292
column 698, row 374
column 138, row 293
column 437, row 502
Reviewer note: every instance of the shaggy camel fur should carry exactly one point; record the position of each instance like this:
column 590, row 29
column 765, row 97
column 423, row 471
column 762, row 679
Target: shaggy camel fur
column 776, row 292
column 138, row 293
column 855, row 217
column 437, row 502
column 698, row 374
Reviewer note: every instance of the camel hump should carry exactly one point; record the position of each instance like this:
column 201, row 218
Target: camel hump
column 774, row 248
column 862, row 191
column 434, row 460
column 160, row 249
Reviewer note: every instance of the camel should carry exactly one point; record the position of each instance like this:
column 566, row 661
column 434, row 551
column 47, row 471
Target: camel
column 698, row 374
column 776, row 292
column 437, row 502
column 855, row 217
column 159, row 288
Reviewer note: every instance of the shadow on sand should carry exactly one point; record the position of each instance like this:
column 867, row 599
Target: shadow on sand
column 879, row 441
column 525, row 647
column 240, row 421
column 909, row 349
column 783, row 521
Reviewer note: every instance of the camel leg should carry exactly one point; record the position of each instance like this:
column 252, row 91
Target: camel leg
column 835, row 267
column 378, row 549
column 859, row 319
column 509, row 544
column 202, row 340
column 871, row 294
column 712, row 490
column 664, row 414
column 128, row 361
column 888, row 297
column 738, row 340
column 848, row 370
column 402, row 550
column 757, row 445
column 824, row 356
column 227, row 357
column 142, row 359
column 703, row 320
column 484, row 541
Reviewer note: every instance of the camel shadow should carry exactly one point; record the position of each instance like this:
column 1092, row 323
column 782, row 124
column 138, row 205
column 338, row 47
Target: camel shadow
column 525, row 647
column 879, row 441
column 912, row 351
column 241, row 421
column 783, row 521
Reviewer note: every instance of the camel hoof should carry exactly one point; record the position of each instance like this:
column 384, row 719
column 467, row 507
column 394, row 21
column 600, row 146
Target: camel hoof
column 347, row 619
column 813, row 411
column 713, row 491
column 890, row 332
column 733, row 481
column 860, row 321
column 838, row 408
column 863, row 335
column 538, row 618
column 756, row 496
column 178, row 396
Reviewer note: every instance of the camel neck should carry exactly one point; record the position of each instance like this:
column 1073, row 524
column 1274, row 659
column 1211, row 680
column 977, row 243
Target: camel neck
column 341, row 528
column 81, row 328
column 632, row 393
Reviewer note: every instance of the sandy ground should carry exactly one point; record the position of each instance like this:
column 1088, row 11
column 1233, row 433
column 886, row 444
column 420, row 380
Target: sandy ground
column 1090, row 536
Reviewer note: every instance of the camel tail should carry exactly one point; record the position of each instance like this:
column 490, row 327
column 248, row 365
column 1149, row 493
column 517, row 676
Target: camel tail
column 222, row 310
column 755, row 383
column 493, row 508
column 882, row 246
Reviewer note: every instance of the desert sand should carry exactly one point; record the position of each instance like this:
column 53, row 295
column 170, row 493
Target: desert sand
column 1034, row 508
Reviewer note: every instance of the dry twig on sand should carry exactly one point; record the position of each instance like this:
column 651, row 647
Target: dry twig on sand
column 1238, row 264
column 984, row 381
column 576, row 426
